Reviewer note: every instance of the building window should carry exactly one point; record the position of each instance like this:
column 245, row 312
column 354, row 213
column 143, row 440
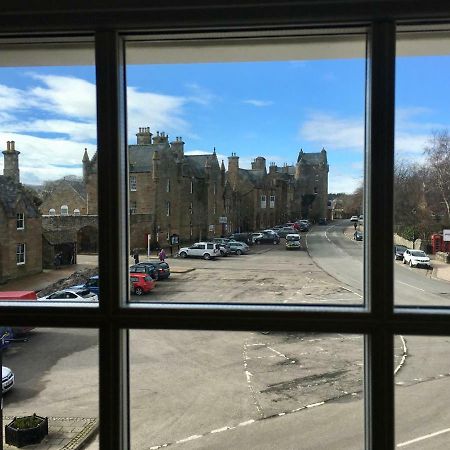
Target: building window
column 76, row 212
column 214, row 188
column 263, row 201
column 20, row 254
column 192, row 187
column 20, row 217
column 214, row 208
column 272, row 201
column 133, row 183
column 64, row 210
column 52, row 212
column 133, row 207
column 167, row 209
column 168, row 185
column 191, row 208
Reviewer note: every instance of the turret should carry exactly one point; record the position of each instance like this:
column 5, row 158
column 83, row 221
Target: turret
column 11, row 162
column 85, row 166
column 233, row 169
column 144, row 137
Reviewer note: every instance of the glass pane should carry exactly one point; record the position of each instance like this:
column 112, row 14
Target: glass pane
column 48, row 171
column 53, row 373
column 258, row 147
column 246, row 390
column 422, row 170
column 421, row 403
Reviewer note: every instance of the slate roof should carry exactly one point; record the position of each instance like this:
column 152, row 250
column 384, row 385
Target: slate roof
column 255, row 177
column 312, row 158
column 12, row 192
column 140, row 157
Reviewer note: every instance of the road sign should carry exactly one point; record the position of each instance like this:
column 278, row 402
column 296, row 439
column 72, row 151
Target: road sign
column 446, row 235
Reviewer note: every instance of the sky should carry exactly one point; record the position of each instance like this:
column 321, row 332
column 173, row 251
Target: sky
column 270, row 109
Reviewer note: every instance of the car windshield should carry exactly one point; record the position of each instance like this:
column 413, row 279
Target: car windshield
column 418, row 253
column 292, row 238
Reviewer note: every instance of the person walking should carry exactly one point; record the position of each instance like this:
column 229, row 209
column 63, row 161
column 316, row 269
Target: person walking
column 162, row 255
column 136, row 256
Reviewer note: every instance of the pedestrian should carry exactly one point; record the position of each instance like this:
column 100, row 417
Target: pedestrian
column 162, row 255
column 57, row 261
column 136, row 256
column 355, row 225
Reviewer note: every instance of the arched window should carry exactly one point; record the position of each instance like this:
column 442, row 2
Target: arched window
column 51, row 212
column 64, row 210
column 76, row 212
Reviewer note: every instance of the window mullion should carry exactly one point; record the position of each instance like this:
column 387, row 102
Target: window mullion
column 379, row 386
column 113, row 240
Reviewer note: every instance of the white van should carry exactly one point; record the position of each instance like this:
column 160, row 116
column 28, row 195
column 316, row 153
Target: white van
column 293, row 241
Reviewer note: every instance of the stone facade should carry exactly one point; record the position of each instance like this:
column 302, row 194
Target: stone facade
column 20, row 223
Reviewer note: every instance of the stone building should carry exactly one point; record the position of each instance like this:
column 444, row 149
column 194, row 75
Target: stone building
column 258, row 198
column 20, row 222
column 170, row 193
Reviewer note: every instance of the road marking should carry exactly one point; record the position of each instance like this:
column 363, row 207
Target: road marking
column 190, row 438
column 410, row 285
column 422, row 438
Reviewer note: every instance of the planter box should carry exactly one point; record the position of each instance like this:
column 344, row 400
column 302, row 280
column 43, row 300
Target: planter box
column 19, row 434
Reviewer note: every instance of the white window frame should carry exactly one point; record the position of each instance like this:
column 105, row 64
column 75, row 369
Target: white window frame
column 272, row 201
column 64, row 211
column 133, row 183
column 168, row 185
column 20, row 253
column 168, row 208
column 191, row 190
column 20, row 221
column 263, row 201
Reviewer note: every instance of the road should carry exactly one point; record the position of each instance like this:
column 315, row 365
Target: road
column 226, row 390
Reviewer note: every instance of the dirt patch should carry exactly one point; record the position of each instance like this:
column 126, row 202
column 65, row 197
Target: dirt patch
column 78, row 277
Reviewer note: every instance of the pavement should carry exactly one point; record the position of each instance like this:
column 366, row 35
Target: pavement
column 76, row 433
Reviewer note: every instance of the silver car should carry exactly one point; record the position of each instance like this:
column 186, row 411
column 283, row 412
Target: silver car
column 7, row 379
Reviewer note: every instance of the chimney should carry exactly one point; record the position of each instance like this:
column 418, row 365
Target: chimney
column 11, row 162
column 144, row 137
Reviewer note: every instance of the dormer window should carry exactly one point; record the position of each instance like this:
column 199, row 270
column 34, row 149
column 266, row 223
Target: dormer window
column 64, row 210
column 52, row 212
column 76, row 212
column 20, row 218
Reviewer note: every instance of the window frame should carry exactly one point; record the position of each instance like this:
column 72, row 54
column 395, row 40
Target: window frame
column 379, row 321
column 133, row 183
column 21, row 255
column 20, row 219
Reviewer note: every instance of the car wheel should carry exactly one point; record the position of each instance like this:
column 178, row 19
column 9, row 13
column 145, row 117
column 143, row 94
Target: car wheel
column 410, row 263
column 258, row 242
column 183, row 255
column 222, row 253
column 404, row 261
column 206, row 256
column 138, row 291
column 275, row 242
column 238, row 252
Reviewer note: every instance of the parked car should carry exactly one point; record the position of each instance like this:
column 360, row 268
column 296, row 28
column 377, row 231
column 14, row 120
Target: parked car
column 7, row 379
column 283, row 232
column 354, row 219
column 205, row 250
column 254, row 236
column 242, row 237
column 70, row 295
column 398, row 251
column 238, row 248
column 293, row 241
column 142, row 283
column 416, row 258
column 268, row 237
column 91, row 284
column 224, row 249
column 357, row 236
column 150, row 268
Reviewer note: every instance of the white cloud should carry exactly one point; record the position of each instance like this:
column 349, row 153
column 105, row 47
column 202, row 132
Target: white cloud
column 342, row 182
column 258, row 103
column 333, row 132
column 199, row 94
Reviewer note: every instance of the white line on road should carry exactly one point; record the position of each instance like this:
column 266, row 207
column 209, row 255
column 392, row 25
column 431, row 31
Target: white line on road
column 410, row 285
column 422, row 438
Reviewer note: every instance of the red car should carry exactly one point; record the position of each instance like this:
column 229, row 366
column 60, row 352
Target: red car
column 141, row 283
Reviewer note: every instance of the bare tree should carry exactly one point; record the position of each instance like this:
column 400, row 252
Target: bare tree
column 438, row 161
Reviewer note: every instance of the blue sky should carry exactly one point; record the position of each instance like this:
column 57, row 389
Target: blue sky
column 270, row 109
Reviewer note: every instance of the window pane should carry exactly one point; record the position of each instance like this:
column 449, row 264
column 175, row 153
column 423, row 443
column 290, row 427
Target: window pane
column 421, row 384
column 48, row 168
column 246, row 390
column 422, row 169
column 52, row 372
column 253, row 139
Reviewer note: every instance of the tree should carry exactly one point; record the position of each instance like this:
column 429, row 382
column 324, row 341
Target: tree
column 437, row 154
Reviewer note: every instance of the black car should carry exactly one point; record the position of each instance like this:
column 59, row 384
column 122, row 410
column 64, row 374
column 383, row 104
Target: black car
column 398, row 251
column 242, row 237
column 148, row 268
column 267, row 238
column 357, row 236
